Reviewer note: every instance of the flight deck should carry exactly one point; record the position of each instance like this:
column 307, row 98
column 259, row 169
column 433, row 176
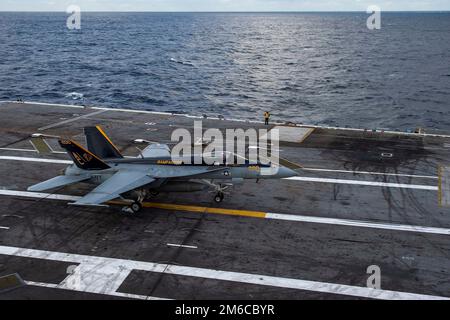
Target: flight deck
column 363, row 198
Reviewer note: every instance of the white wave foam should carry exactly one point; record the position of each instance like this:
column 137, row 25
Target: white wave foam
column 186, row 63
column 75, row 95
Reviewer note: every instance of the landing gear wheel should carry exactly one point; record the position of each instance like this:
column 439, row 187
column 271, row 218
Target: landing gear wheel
column 127, row 210
column 136, row 207
column 219, row 197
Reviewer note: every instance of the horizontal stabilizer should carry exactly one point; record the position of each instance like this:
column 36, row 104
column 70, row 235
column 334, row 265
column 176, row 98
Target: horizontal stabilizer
column 57, row 182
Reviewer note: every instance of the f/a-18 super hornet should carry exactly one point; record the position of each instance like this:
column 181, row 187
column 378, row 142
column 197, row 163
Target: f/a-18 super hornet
column 154, row 171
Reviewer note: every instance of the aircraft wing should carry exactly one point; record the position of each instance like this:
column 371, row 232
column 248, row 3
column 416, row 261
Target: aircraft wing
column 57, row 182
column 121, row 182
column 156, row 151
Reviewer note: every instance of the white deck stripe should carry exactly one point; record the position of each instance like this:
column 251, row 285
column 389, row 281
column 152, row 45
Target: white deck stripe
column 71, row 120
column 181, row 246
column 25, row 159
column 39, row 195
column 304, row 179
column 21, row 150
column 360, row 224
column 115, row 294
column 136, row 111
column 118, row 265
column 46, row 104
column 4, row 228
column 371, row 173
column 365, row 183
column 272, row 216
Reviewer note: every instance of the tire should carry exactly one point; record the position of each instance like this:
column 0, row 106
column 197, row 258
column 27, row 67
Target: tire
column 136, row 207
column 219, row 197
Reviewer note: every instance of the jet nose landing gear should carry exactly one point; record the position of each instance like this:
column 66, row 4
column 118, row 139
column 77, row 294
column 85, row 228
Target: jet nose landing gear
column 219, row 188
column 219, row 197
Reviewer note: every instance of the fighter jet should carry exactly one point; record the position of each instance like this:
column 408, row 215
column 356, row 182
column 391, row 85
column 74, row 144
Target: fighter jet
column 154, row 171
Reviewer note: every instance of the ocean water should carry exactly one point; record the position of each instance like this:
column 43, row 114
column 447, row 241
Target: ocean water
column 316, row 68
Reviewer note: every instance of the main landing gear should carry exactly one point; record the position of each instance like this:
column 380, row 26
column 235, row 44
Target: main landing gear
column 136, row 206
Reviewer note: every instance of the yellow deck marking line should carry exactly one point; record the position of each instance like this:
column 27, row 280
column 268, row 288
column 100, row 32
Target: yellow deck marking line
column 198, row 209
column 230, row 212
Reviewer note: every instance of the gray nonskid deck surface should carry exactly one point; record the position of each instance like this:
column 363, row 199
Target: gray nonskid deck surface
column 257, row 258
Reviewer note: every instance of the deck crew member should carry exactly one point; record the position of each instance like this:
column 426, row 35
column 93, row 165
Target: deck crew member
column 266, row 117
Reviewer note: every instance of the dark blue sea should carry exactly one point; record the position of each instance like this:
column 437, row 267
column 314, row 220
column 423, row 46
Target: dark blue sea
column 317, row 68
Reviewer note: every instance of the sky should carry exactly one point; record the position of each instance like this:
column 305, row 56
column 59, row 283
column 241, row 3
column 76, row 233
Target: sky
column 224, row 5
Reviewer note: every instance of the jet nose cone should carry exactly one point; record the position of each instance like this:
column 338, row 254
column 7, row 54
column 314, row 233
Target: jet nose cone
column 284, row 172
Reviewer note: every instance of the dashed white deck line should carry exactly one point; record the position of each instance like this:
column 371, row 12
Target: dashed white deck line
column 372, row 173
column 4, row 228
column 364, row 183
column 181, row 246
column 72, row 120
column 272, row 216
column 117, row 266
